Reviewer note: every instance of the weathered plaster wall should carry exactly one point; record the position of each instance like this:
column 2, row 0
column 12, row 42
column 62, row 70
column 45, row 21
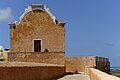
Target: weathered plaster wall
column 52, row 58
column 36, row 24
column 79, row 63
column 31, row 72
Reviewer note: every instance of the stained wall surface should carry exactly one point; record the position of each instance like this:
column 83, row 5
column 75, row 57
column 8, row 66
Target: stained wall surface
column 103, row 64
column 36, row 25
column 52, row 58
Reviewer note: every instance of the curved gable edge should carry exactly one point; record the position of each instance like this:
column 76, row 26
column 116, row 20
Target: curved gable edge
column 35, row 7
column 40, row 7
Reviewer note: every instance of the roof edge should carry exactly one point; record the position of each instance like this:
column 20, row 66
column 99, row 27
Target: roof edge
column 32, row 7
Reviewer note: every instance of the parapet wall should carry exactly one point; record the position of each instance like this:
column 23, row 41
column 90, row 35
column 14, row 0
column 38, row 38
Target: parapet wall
column 103, row 64
column 30, row 72
column 49, row 57
column 81, row 64
column 99, row 75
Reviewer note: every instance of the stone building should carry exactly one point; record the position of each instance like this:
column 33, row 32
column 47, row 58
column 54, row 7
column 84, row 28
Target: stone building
column 37, row 31
column 39, row 37
column 3, row 53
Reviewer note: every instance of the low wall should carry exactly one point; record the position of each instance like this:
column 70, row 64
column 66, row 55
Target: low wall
column 48, row 57
column 99, row 75
column 79, row 63
column 30, row 72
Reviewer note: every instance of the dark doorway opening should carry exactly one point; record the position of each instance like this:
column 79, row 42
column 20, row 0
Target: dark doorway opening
column 37, row 45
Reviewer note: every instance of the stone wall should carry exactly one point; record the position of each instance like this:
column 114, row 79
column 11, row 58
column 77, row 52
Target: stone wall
column 72, row 64
column 99, row 75
column 52, row 58
column 81, row 64
column 103, row 64
column 36, row 25
column 30, row 72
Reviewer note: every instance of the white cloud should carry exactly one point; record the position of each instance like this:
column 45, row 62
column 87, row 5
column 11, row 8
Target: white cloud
column 6, row 14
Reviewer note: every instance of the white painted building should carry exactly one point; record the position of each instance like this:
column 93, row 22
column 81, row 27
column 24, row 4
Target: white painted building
column 3, row 53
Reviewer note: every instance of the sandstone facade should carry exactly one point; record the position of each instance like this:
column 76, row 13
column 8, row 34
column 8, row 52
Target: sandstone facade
column 36, row 24
column 81, row 64
column 45, row 57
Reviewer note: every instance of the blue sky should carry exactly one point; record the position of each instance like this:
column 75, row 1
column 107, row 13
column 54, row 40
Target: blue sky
column 92, row 29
